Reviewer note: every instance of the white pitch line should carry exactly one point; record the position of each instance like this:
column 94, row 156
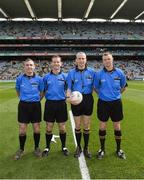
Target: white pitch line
column 82, row 163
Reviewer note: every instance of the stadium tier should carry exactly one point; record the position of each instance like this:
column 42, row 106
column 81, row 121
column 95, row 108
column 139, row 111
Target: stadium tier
column 10, row 70
column 42, row 40
column 64, row 30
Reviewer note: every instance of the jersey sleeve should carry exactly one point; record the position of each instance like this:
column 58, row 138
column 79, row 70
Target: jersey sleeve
column 17, row 85
column 123, row 80
column 96, row 81
column 45, row 82
column 41, row 85
column 69, row 81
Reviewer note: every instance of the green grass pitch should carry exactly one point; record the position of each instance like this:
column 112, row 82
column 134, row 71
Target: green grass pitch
column 56, row 166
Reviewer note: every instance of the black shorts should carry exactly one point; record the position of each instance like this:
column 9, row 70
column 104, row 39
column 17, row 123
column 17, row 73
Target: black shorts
column 111, row 109
column 85, row 107
column 29, row 112
column 55, row 111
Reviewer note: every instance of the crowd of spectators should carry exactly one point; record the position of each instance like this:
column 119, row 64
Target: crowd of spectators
column 73, row 51
column 9, row 70
column 72, row 30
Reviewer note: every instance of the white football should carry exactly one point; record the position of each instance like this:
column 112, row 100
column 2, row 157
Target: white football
column 76, row 98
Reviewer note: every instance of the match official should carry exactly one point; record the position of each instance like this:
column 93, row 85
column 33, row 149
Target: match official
column 55, row 105
column 29, row 89
column 81, row 79
column 109, row 83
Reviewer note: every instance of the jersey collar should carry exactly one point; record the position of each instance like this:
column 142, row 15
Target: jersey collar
column 56, row 74
column 77, row 69
column 114, row 69
column 30, row 76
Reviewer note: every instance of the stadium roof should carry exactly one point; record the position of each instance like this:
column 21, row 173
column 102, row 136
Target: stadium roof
column 81, row 9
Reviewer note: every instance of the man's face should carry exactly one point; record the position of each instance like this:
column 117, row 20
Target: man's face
column 56, row 63
column 107, row 61
column 29, row 67
column 81, row 60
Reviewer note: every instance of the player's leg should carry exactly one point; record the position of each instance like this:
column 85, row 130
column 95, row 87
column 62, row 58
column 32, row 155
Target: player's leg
column 36, row 119
column 117, row 116
column 117, row 132
column 49, row 117
column 36, row 136
column 103, row 116
column 62, row 133
column 102, row 134
column 22, row 140
column 76, row 110
column 48, row 136
column 61, row 118
column 23, row 119
column 86, row 129
column 22, row 135
column 78, row 135
column 87, row 111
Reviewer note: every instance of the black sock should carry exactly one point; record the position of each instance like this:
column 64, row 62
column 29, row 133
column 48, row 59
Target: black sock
column 118, row 135
column 78, row 137
column 102, row 134
column 118, row 142
column 86, row 138
column 63, row 139
column 48, row 140
column 36, row 139
column 102, row 142
column 22, row 140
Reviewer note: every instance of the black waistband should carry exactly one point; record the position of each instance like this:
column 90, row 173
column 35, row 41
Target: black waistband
column 27, row 102
column 87, row 94
column 110, row 101
column 55, row 100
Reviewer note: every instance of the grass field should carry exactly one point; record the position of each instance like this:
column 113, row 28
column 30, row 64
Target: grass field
column 56, row 166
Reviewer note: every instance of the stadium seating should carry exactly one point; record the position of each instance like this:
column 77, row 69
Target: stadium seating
column 65, row 30
column 10, row 70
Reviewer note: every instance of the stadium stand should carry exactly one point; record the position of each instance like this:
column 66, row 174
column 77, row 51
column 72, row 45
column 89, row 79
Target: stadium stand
column 10, row 70
column 64, row 30
column 41, row 40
